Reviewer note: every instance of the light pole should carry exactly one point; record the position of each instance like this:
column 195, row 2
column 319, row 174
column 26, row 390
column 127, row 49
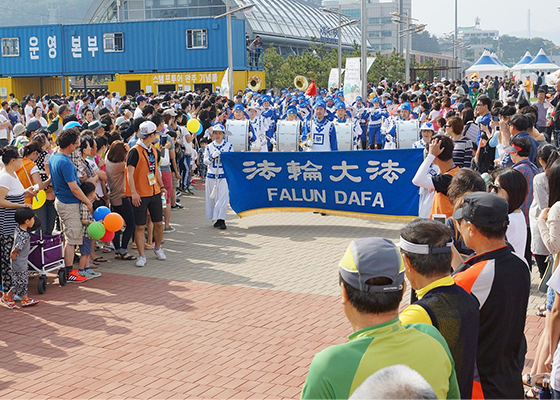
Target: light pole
column 228, row 15
column 364, row 49
column 455, row 37
column 411, row 29
column 339, row 29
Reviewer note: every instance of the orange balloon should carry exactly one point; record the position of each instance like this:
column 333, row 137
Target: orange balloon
column 113, row 222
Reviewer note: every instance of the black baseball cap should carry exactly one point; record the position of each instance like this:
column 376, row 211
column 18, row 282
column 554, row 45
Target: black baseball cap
column 483, row 209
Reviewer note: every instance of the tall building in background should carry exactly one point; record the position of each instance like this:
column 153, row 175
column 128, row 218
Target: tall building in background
column 382, row 33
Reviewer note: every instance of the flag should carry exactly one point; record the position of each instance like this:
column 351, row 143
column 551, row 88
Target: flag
column 312, row 89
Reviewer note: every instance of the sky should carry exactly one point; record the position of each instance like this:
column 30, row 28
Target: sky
column 508, row 16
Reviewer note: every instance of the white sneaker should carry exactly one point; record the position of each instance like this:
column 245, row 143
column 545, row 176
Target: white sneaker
column 141, row 261
column 160, row 254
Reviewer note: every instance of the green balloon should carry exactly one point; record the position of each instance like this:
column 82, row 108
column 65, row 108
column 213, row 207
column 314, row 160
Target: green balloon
column 96, row 230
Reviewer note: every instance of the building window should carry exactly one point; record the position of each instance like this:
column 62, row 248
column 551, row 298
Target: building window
column 373, row 20
column 197, row 39
column 352, row 12
column 113, row 42
column 10, row 47
column 386, row 46
column 376, row 47
column 374, row 33
column 386, row 33
column 387, row 20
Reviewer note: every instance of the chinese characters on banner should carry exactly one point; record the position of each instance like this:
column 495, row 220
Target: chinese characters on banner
column 364, row 184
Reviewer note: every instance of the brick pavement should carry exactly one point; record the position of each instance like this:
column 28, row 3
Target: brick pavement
column 230, row 314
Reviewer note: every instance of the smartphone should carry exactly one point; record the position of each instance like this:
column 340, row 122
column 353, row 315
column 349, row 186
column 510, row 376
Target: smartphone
column 439, row 218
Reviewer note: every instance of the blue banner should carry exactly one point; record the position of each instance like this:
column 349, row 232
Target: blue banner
column 360, row 184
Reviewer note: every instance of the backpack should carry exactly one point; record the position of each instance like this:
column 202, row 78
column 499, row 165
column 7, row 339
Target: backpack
column 486, row 157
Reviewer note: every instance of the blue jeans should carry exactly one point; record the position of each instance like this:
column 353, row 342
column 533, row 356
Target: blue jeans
column 121, row 239
column 47, row 215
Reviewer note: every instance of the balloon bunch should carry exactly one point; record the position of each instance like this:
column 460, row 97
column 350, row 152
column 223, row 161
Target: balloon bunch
column 105, row 225
column 194, row 126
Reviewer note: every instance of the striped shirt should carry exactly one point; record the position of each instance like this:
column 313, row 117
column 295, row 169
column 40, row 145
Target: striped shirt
column 463, row 152
column 15, row 195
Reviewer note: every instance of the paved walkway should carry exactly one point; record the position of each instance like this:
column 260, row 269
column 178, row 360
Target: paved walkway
column 231, row 314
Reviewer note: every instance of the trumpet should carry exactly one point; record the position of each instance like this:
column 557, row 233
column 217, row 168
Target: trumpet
column 300, row 82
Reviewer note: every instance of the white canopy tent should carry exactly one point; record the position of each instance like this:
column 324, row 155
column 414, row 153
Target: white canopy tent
column 517, row 69
column 541, row 63
column 488, row 64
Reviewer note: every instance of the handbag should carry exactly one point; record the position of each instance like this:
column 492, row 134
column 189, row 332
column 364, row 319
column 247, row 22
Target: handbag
column 543, row 287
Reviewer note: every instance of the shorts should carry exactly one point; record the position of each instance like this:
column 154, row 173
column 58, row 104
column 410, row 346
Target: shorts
column 167, row 178
column 85, row 247
column 70, row 220
column 175, row 181
column 151, row 203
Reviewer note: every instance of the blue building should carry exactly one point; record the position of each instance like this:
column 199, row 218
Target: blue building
column 157, row 47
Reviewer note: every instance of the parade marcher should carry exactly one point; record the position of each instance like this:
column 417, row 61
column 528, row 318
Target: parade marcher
column 321, row 134
column 217, row 192
column 269, row 120
column 375, row 120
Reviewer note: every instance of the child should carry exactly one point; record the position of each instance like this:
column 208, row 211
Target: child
column 85, row 248
column 202, row 168
column 25, row 217
column 217, row 192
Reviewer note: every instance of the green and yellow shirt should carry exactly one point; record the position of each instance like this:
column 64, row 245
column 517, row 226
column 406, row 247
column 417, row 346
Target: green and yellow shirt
column 339, row 370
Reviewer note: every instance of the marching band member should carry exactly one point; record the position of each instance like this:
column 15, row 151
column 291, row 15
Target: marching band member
column 217, row 192
column 330, row 111
column 258, row 137
column 321, row 134
column 362, row 120
column 269, row 120
column 375, row 120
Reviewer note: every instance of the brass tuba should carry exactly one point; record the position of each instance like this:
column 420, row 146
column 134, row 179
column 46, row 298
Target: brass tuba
column 300, row 82
column 254, row 83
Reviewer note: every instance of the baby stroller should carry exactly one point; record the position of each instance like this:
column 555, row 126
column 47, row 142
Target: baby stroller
column 46, row 255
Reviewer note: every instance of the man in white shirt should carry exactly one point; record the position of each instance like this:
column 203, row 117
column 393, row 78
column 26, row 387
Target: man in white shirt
column 5, row 127
column 29, row 109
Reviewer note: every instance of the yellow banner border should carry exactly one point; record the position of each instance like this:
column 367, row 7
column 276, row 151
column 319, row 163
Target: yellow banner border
column 338, row 213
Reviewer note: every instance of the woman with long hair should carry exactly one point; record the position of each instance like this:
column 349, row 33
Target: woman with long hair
column 115, row 168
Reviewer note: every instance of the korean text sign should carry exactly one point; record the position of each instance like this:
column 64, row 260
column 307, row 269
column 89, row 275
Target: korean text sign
column 361, row 184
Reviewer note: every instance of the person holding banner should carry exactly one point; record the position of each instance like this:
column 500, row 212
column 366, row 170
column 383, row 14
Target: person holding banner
column 321, row 134
column 217, row 192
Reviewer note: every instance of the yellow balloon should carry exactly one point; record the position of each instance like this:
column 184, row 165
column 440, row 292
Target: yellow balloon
column 193, row 125
column 39, row 199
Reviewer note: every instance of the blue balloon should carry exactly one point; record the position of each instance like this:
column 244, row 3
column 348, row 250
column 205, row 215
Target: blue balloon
column 199, row 130
column 100, row 213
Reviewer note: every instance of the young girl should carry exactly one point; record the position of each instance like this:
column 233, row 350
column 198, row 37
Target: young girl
column 25, row 218
column 217, row 192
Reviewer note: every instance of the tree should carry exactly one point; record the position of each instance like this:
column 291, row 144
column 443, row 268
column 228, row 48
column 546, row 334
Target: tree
column 425, row 42
column 391, row 67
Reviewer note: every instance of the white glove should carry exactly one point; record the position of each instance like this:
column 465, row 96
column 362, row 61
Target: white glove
column 272, row 141
column 216, row 154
